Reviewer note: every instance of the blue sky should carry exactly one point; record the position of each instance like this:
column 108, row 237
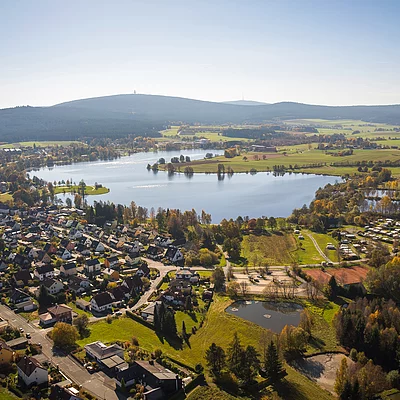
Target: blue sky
column 318, row 52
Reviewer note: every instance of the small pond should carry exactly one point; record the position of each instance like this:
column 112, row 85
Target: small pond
column 270, row 315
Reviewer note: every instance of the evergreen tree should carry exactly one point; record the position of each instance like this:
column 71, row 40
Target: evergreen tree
column 215, row 357
column 235, row 355
column 169, row 323
column 184, row 333
column 272, row 364
column 188, row 303
column 250, row 364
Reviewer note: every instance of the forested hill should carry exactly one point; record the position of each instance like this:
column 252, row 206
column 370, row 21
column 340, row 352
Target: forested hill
column 145, row 115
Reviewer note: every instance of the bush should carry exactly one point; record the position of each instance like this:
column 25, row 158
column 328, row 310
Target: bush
column 353, row 355
column 393, row 378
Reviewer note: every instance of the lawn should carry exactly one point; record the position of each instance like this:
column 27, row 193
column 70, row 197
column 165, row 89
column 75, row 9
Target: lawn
column 209, row 393
column 6, row 395
column 89, row 190
column 218, row 327
column 78, row 310
column 323, row 239
column 275, row 249
column 306, row 252
column 5, row 197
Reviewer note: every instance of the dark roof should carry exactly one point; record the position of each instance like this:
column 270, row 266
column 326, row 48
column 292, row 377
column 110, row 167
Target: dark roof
column 103, row 298
column 92, row 261
column 113, row 259
column 118, row 293
column 49, row 283
column 134, row 282
column 18, row 294
column 70, row 265
column 28, row 365
column 44, row 269
column 171, row 251
column 23, row 275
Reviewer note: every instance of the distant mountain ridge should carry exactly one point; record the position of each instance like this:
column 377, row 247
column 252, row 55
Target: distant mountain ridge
column 145, row 115
column 245, row 103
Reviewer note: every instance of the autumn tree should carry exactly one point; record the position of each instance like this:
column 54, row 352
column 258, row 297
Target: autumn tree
column 81, row 322
column 64, row 335
column 218, row 278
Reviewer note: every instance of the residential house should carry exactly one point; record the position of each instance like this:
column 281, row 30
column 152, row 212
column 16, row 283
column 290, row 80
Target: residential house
column 187, row 274
column 148, row 312
column 111, row 262
column 57, row 313
column 111, row 357
column 64, row 253
column 163, row 241
column 92, row 266
column 68, row 269
column 153, row 252
column 7, row 354
column 134, row 284
column 153, row 376
column 97, row 246
column 110, row 274
column 31, row 372
column 143, row 270
column 83, row 304
column 67, row 244
column 44, row 272
column 102, row 302
column 21, row 300
column 82, row 249
column 78, row 284
column 22, row 277
column 174, row 255
column 53, row 286
column 50, row 248
column 3, row 265
column 43, row 257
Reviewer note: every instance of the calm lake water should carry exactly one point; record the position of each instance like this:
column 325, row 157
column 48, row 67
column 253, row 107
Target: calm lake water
column 257, row 195
column 270, row 315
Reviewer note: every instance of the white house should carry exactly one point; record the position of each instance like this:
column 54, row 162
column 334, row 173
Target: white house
column 92, row 266
column 173, row 254
column 44, row 272
column 53, row 286
column 102, row 302
column 30, row 371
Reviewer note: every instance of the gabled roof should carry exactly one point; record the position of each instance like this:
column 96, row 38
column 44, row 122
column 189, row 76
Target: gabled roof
column 48, row 283
column 103, row 299
column 92, row 261
column 44, row 269
column 68, row 266
column 23, row 275
column 18, row 294
column 28, row 365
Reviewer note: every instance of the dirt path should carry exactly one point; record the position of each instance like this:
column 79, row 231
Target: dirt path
column 323, row 255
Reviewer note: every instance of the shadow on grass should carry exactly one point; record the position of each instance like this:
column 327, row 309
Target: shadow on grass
column 173, row 342
column 290, row 391
column 317, row 343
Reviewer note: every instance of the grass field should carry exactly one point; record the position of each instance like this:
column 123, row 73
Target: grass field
column 274, row 249
column 306, row 252
column 42, row 144
column 209, row 393
column 218, row 327
column 323, row 239
column 89, row 190
column 296, row 156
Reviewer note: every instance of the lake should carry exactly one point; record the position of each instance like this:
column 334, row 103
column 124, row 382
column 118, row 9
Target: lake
column 268, row 314
column 262, row 194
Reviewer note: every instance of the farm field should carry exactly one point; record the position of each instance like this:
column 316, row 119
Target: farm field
column 342, row 275
column 273, row 250
column 249, row 161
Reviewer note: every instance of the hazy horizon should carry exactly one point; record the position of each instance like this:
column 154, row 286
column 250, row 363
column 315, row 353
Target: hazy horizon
column 324, row 53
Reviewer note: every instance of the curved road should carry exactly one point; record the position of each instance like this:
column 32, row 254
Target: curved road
column 316, row 245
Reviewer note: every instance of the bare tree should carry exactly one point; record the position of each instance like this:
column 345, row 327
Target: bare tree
column 244, row 287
